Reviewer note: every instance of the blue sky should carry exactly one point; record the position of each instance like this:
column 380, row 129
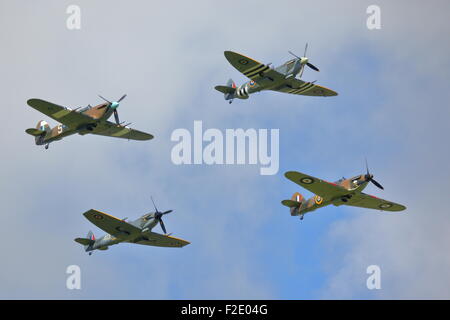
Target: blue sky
column 392, row 108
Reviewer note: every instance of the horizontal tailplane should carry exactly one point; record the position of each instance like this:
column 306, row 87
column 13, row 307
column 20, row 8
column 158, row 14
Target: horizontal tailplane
column 88, row 241
column 294, row 204
column 228, row 90
column 225, row 89
column 35, row 132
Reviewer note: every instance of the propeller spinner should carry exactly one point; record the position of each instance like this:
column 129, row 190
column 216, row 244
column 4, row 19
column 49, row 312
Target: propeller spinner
column 305, row 60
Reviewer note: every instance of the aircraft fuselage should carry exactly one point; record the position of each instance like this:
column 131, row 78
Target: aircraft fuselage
column 354, row 185
column 146, row 223
column 98, row 114
column 289, row 69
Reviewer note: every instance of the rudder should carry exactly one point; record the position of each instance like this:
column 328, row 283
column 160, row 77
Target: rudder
column 228, row 90
column 294, row 203
column 42, row 128
column 88, row 241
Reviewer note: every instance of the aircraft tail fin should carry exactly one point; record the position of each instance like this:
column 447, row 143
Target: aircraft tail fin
column 88, row 241
column 294, row 204
column 39, row 132
column 43, row 126
column 228, row 90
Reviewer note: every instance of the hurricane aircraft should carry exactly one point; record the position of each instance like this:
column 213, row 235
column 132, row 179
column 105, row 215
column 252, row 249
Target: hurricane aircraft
column 341, row 192
column 82, row 120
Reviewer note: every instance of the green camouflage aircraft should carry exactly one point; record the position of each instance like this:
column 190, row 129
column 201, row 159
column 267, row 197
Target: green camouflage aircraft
column 85, row 120
column 137, row 231
column 264, row 77
column 344, row 191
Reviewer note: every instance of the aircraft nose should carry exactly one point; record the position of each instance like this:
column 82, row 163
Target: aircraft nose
column 114, row 105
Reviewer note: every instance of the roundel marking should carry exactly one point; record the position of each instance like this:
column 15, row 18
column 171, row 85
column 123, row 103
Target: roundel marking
column 386, row 205
column 252, row 83
column 243, row 61
column 318, row 199
column 307, row 180
column 60, row 128
column 98, row 216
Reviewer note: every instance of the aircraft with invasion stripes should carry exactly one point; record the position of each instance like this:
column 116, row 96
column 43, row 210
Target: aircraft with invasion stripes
column 284, row 78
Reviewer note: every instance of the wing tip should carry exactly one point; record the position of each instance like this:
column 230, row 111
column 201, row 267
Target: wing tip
column 182, row 242
column 32, row 101
column 185, row 243
column 230, row 55
column 148, row 137
column 90, row 212
column 287, row 174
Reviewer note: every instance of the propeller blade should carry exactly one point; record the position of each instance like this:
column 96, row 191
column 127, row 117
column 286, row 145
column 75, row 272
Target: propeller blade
column 306, row 48
column 162, row 225
column 156, row 209
column 123, row 97
column 166, row 212
column 294, row 55
column 312, row 66
column 376, row 183
column 367, row 167
column 116, row 116
column 105, row 99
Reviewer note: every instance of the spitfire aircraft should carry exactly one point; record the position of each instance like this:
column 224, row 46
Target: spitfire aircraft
column 82, row 121
column 264, row 77
column 344, row 191
column 137, row 231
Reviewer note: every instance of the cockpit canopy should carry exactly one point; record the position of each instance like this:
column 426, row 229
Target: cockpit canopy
column 340, row 180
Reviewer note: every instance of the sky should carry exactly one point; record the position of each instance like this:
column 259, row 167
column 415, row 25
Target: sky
column 392, row 109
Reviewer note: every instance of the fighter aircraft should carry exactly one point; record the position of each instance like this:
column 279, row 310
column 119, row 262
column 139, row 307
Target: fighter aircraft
column 82, row 121
column 343, row 191
column 137, row 231
column 264, row 77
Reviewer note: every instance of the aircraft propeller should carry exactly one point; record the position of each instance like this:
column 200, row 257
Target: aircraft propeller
column 305, row 60
column 369, row 177
column 158, row 216
column 113, row 105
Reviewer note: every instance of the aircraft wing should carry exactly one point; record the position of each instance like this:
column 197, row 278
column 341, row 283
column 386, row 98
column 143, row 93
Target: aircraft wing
column 111, row 129
column 112, row 225
column 256, row 71
column 264, row 75
column 371, row 202
column 66, row 116
column 160, row 240
column 300, row 87
column 244, row 64
column 327, row 190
